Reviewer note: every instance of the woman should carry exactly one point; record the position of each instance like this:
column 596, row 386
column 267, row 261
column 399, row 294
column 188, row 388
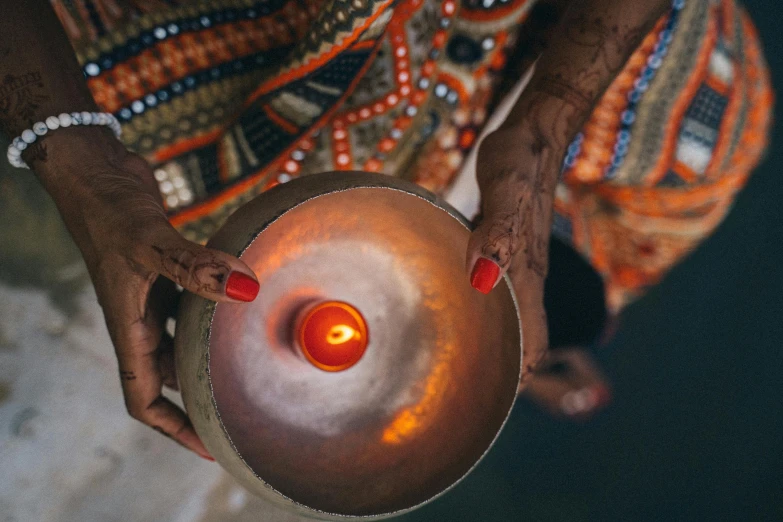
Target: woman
column 638, row 126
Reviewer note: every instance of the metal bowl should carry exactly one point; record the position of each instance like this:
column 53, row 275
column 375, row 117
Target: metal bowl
column 422, row 406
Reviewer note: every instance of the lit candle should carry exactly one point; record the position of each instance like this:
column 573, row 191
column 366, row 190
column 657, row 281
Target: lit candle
column 333, row 336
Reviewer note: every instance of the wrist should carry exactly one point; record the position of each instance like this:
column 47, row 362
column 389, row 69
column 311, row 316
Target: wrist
column 65, row 154
column 93, row 180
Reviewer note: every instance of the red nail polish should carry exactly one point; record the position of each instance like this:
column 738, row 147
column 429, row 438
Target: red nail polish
column 485, row 274
column 241, row 287
column 207, row 457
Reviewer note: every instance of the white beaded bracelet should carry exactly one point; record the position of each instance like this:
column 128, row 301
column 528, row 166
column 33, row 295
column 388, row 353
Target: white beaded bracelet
column 40, row 128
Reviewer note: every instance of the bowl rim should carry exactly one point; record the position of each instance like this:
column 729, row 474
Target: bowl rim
column 337, row 182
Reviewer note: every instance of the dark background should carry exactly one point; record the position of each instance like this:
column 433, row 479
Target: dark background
column 695, row 431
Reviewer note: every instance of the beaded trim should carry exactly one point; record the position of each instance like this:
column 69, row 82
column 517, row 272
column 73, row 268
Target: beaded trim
column 41, row 128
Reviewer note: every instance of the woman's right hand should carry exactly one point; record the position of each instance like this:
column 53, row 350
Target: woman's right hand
column 111, row 205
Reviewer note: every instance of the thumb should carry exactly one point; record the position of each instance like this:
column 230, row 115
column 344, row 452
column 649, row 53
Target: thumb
column 493, row 249
column 495, row 237
column 207, row 272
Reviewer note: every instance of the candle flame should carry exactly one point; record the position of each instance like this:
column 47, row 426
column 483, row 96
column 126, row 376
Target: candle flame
column 333, row 335
column 342, row 333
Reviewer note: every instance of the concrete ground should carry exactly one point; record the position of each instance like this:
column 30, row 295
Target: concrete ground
column 693, row 434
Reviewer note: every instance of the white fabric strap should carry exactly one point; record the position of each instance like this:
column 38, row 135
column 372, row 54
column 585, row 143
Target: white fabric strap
column 40, row 129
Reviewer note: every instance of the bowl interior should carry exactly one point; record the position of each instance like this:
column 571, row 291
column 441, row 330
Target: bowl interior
column 430, row 394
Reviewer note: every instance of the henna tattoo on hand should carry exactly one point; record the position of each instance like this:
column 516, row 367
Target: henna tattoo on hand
column 203, row 272
column 20, row 99
column 555, row 85
column 595, row 44
column 524, row 227
column 610, row 43
column 593, row 49
column 502, row 237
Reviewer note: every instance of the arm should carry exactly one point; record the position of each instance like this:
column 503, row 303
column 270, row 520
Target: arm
column 39, row 74
column 110, row 203
column 586, row 51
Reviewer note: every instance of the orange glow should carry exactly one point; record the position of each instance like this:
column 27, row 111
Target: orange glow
column 414, row 419
column 411, row 420
column 333, row 336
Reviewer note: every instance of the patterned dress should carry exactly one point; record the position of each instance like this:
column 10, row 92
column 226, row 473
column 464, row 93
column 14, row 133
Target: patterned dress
column 228, row 98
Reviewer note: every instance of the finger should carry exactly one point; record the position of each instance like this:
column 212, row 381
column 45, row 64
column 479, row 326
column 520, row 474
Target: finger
column 577, row 364
column 142, row 383
column 569, row 383
column 159, row 413
column 547, row 391
column 535, row 336
column 511, row 208
column 516, row 200
column 168, row 420
column 494, row 239
column 207, row 272
column 560, row 397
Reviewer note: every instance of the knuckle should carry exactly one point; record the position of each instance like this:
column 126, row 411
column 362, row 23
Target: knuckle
column 144, row 231
column 138, row 253
column 136, row 411
column 176, row 263
column 142, row 244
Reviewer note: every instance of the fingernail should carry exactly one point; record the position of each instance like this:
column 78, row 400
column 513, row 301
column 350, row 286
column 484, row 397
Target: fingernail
column 485, row 274
column 207, row 457
column 578, row 402
column 241, row 287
